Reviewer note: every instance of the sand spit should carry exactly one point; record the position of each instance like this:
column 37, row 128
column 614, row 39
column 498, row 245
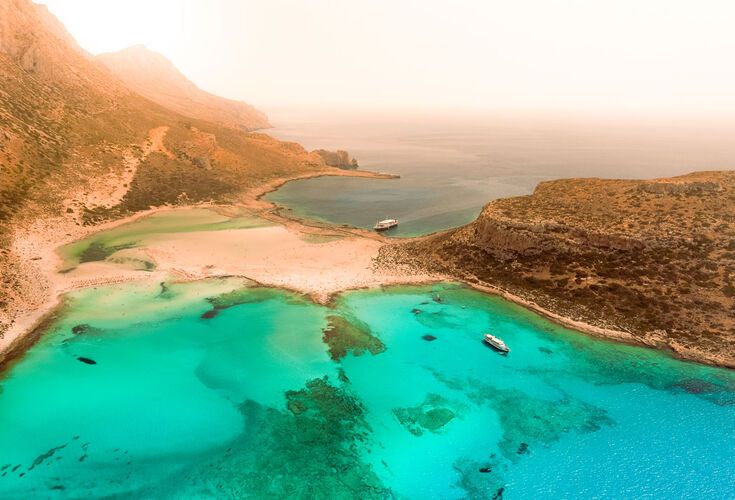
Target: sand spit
column 314, row 260
column 307, row 257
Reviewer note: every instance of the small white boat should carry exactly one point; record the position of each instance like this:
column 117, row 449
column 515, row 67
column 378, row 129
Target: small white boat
column 385, row 224
column 495, row 342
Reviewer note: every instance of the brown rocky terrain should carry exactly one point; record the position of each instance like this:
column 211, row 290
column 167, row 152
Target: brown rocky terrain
column 152, row 75
column 339, row 159
column 78, row 147
column 651, row 262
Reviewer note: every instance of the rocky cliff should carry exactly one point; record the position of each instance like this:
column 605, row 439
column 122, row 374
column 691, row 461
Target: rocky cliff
column 340, row 159
column 654, row 259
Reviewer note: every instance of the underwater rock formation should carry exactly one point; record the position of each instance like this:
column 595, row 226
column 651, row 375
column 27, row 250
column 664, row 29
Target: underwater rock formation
column 312, row 450
column 431, row 415
column 344, row 335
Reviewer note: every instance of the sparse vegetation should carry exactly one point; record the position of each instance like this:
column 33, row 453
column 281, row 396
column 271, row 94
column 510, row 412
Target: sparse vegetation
column 574, row 248
column 65, row 123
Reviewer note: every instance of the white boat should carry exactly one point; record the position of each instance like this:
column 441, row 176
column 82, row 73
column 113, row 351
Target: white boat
column 495, row 342
column 385, row 224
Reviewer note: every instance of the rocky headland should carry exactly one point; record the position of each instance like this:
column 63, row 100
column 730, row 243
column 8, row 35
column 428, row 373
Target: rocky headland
column 650, row 262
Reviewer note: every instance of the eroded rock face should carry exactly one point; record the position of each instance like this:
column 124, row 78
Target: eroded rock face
column 32, row 37
column 339, row 159
column 504, row 240
column 655, row 259
column 687, row 188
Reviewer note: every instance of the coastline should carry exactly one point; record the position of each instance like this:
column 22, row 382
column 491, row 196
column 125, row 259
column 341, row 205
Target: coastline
column 274, row 213
column 676, row 351
column 39, row 241
column 182, row 261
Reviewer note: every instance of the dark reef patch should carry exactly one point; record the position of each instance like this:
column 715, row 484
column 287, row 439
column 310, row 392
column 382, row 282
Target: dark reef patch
column 45, row 456
column 431, row 415
column 311, row 450
column 166, row 291
column 479, row 479
column 99, row 251
column 139, row 264
column 343, row 335
column 245, row 295
column 79, row 329
column 528, row 420
column 623, row 365
column 439, row 320
column 86, row 329
column 210, row 314
column 249, row 295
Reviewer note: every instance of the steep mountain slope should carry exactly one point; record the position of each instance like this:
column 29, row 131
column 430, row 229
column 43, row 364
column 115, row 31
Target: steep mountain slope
column 54, row 26
column 653, row 258
column 78, row 147
column 155, row 77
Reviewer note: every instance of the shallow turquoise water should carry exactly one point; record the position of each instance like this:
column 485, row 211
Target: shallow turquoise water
column 237, row 396
column 105, row 244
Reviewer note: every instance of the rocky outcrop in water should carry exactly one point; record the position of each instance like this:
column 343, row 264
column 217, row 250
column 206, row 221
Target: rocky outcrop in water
column 344, row 335
column 340, row 159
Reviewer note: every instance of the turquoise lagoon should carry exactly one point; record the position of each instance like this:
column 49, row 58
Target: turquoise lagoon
column 218, row 389
column 113, row 243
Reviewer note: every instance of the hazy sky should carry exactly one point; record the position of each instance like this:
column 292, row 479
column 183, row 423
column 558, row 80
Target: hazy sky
column 621, row 55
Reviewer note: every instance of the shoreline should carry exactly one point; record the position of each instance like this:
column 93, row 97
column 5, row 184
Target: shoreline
column 597, row 332
column 38, row 244
column 273, row 212
column 28, row 327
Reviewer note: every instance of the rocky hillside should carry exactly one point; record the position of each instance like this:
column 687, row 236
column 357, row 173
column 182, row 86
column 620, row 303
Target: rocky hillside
column 155, row 77
column 77, row 146
column 652, row 258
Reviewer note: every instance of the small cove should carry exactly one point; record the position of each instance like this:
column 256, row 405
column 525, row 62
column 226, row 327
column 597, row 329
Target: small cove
column 451, row 165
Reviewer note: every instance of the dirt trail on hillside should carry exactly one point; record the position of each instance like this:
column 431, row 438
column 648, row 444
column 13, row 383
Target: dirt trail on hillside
column 156, row 136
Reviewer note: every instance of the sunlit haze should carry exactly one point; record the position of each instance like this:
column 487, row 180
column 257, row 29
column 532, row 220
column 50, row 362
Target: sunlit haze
column 629, row 55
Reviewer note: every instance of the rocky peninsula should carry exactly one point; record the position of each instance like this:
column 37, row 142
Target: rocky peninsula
column 650, row 262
